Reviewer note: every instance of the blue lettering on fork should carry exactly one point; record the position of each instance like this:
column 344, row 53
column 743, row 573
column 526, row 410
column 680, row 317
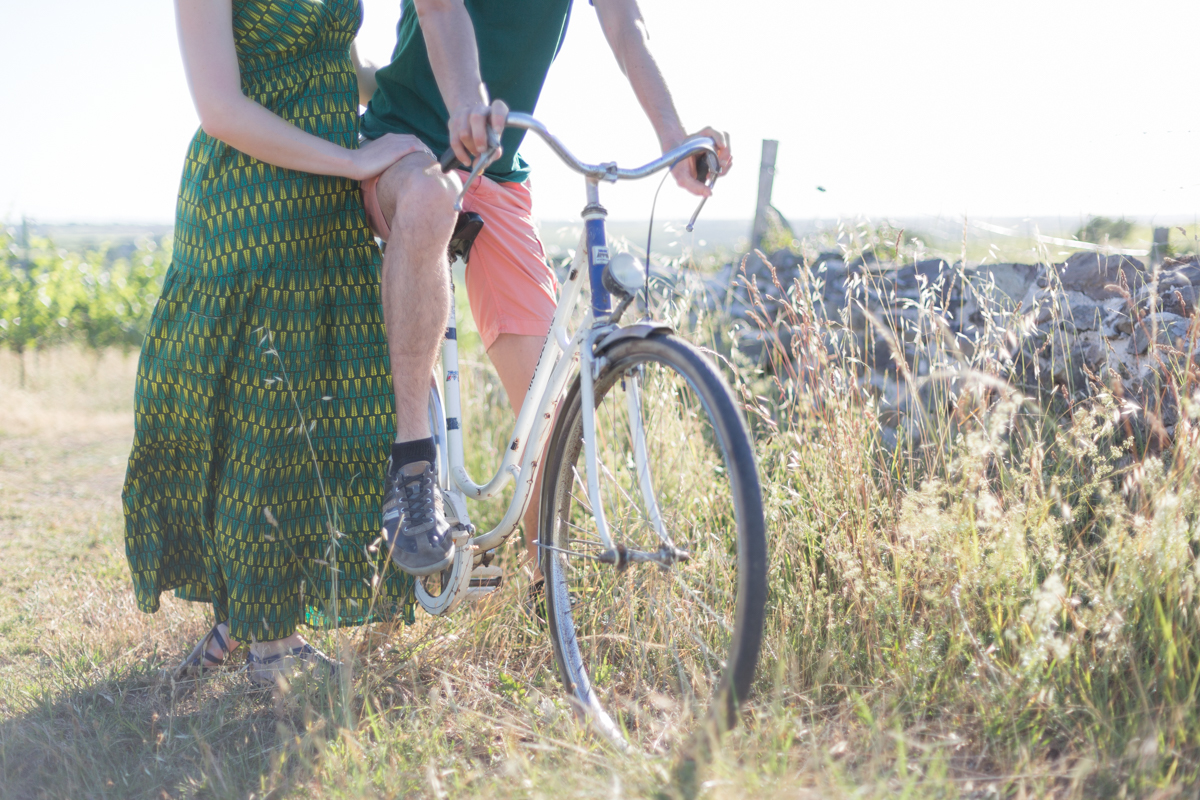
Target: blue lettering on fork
column 597, row 252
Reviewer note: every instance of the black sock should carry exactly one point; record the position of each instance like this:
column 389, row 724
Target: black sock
column 405, row 453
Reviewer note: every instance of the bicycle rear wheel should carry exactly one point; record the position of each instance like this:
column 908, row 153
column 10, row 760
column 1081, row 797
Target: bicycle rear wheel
column 655, row 651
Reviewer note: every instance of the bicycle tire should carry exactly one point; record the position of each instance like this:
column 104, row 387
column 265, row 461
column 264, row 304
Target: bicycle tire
column 582, row 632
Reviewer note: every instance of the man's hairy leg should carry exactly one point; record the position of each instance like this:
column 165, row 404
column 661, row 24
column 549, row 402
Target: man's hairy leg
column 418, row 200
column 515, row 358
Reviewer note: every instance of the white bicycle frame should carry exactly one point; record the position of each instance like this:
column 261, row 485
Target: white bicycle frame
column 555, row 367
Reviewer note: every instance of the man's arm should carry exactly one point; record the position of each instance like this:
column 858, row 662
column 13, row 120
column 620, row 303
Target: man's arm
column 625, row 30
column 454, row 57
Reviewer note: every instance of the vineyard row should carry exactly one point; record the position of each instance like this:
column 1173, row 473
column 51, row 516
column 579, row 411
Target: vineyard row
column 49, row 296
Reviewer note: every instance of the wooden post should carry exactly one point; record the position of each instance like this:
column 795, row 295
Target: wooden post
column 766, row 179
column 1158, row 250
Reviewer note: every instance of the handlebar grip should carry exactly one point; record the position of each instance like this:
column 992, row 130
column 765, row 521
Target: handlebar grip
column 705, row 163
column 450, row 161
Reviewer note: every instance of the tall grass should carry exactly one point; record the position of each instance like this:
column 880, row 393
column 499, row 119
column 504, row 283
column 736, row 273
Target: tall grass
column 1012, row 584
column 999, row 601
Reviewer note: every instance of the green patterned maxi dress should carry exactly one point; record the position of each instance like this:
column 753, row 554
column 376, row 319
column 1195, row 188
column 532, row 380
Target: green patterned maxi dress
column 264, row 409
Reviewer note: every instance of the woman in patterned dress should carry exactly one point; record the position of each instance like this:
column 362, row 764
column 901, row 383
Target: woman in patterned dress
column 264, row 404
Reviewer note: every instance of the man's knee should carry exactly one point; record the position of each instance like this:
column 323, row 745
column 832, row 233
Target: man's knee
column 418, row 195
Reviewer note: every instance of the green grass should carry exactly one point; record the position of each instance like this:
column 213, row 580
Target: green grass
column 1006, row 606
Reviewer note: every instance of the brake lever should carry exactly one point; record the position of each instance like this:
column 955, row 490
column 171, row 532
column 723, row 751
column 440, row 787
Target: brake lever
column 481, row 162
column 712, row 181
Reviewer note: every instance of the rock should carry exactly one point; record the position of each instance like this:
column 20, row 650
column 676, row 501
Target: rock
column 881, row 357
column 1091, row 273
column 892, row 414
column 1082, row 313
column 750, row 342
column 784, row 259
column 1066, row 360
column 1158, row 326
column 830, row 264
column 1185, row 274
column 1117, row 323
column 943, row 277
column 1179, row 334
column 1037, row 304
column 1012, row 280
column 885, row 282
column 938, row 393
column 1179, row 300
column 1071, row 327
column 962, row 315
column 867, row 259
column 890, row 438
column 1111, row 373
column 1176, row 291
column 1094, row 350
column 933, row 268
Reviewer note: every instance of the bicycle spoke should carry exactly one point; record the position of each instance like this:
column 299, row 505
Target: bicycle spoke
column 592, row 542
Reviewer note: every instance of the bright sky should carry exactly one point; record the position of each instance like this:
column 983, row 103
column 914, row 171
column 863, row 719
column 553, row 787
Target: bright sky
column 1018, row 108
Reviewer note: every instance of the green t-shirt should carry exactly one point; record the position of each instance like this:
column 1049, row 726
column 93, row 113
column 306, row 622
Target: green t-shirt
column 517, row 40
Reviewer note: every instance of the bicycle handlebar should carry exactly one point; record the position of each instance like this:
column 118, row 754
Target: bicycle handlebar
column 608, row 171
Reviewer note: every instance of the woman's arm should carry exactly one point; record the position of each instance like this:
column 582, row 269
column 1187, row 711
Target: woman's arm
column 365, row 71
column 210, row 62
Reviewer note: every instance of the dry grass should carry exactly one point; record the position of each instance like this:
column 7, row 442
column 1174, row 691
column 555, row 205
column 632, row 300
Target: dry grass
column 1009, row 611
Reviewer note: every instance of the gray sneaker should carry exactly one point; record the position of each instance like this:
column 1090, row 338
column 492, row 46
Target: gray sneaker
column 413, row 523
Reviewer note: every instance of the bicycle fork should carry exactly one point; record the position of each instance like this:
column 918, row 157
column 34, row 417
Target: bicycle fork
column 616, row 553
column 591, row 363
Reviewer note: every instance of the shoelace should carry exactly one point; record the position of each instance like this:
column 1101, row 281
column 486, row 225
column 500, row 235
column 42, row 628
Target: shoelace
column 419, row 506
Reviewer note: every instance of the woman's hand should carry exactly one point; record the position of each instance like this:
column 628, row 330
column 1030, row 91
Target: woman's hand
column 376, row 155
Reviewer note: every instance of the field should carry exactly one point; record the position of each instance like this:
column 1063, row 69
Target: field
column 1007, row 608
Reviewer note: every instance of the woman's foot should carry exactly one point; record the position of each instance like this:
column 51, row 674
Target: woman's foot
column 276, row 646
column 271, row 663
column 221, row 645
column 208, row 654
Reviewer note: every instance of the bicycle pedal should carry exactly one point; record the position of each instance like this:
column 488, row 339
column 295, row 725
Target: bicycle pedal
column 484, row 581
column 487, row 578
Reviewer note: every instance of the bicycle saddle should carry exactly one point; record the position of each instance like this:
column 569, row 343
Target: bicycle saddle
column 467, row 227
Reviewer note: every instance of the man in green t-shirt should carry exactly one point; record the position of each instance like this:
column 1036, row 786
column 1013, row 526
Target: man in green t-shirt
column 451, row 57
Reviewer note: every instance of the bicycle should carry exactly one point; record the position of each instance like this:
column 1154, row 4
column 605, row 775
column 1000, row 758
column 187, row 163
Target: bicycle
column 656, row 633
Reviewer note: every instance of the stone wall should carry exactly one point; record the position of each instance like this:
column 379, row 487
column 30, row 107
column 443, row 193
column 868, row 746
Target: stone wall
column 1070, row 329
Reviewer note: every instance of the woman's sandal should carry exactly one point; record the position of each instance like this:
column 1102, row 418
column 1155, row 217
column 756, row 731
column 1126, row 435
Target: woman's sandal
column 266, row 672
column 200, row 661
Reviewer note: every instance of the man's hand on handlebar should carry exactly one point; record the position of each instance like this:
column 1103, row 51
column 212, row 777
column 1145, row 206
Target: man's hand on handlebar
column 685, row 171
column 469, row 127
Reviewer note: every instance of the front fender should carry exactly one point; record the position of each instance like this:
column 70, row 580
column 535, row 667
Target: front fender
column 640, row 330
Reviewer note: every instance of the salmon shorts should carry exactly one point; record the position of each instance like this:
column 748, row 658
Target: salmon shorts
column 510, row 286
